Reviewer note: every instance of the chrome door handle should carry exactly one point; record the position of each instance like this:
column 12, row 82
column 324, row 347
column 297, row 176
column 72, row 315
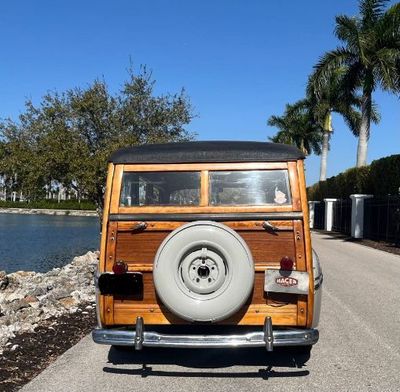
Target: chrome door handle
column 140, row 226
column 268, row 226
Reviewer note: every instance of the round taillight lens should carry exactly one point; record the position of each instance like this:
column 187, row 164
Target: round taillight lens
column 286, row 263
column 120, row 267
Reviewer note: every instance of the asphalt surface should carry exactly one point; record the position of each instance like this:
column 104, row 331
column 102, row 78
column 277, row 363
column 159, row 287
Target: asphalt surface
column 359, row 347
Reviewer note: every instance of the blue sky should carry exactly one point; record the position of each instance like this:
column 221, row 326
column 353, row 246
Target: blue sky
column 239, row 61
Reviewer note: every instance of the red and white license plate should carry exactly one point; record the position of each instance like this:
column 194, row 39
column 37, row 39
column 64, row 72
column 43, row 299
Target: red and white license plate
column 294, row 282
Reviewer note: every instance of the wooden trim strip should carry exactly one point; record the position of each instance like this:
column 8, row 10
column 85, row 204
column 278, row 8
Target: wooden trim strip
column 202, row 209
column 111, row 245
column 299, row 245
column 294, row 186
column 204, row 206
column 116, row 188
column 205, row 166
column 254, row 315
column 216, row 217
column 106, row 303
column 298, row 234
column 307, row 241
column 258, row 267
column 107, row 198
column 204, row 187
column 281, row 225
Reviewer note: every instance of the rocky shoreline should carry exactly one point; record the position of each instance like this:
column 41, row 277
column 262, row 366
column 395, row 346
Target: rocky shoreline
column 29, row 299
column 47, row 211
column 34, row 351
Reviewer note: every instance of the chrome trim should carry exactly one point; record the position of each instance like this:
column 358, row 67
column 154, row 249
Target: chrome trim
column 139, row 334
column 268, row 334
column 318, row 282
column 97, row 295
column 140, row 226
column 280, row 338
column 269, row 226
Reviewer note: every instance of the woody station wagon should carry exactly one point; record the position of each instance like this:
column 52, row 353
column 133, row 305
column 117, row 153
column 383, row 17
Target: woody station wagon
column 207, row 244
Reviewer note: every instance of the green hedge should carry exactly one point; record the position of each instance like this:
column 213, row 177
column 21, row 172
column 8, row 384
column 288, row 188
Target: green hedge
column 380, row 178
column 51, row 204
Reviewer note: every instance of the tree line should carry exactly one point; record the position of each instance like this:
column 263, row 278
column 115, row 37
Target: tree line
column 68, row 137
column 343, row 81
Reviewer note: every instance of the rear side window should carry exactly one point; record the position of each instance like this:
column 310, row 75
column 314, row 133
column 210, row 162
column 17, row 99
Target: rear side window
column 251, row 187
column 160, row 188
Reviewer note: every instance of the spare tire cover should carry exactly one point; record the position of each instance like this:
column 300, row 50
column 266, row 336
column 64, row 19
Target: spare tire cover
column 203, row 271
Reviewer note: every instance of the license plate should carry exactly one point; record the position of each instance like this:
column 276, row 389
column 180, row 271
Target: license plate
column 293, row 282
column 128, row 284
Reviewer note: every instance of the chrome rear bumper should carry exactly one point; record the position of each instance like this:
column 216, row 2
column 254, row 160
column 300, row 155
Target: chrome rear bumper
column 267, row 338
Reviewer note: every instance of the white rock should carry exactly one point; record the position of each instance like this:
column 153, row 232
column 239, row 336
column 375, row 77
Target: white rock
column 14, row 296
column 14, row 347
column 58, row 291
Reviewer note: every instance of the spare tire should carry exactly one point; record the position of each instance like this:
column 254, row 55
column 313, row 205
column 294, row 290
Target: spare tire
column 203, row 271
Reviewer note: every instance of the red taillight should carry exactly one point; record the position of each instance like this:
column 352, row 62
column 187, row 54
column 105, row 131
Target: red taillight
column 120, row 268
column 286, row 263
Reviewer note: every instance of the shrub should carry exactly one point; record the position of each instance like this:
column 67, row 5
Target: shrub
column 380, row 178
column 385, row 176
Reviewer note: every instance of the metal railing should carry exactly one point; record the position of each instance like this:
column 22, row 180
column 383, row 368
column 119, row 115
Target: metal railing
column 319, row 216
column 342, row 216
column 382, row 219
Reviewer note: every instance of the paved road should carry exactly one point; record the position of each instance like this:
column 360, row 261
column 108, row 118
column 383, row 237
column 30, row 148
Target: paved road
column 359, row 348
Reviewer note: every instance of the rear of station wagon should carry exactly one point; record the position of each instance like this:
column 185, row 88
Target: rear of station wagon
column 207, row 244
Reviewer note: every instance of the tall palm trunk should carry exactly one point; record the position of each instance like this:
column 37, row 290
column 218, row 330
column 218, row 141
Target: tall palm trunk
column 363, row 137
column 325, row 145
column 302, row 148
column 324, row 156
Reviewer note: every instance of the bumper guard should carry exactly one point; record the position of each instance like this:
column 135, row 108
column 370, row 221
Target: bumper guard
column 268, row 338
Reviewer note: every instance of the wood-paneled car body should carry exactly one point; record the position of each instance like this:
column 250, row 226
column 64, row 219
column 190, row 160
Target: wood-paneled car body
column 207, row 244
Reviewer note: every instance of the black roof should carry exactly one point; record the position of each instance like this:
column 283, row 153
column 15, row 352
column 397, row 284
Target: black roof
column 207, row 151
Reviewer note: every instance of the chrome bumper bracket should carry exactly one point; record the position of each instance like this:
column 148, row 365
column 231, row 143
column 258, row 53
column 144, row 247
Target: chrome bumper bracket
column 139, row 331
column 268, row 334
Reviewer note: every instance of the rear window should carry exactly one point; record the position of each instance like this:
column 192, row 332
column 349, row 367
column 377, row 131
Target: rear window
column 160, row 188
column 252, row 187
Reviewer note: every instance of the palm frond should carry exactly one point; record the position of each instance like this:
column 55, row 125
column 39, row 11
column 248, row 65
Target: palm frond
column 352, row 118
column 387, row 28
column 297, row 127
column 375, row 114
column 282, row 137
column 386, row 69
column 371, row 11
column 352, row 79
column 296, row 108
column 277, row 121
column 330, row 62
column 347, row 30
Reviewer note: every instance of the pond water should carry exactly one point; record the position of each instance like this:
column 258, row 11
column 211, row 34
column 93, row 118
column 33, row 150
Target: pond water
column 42, row 242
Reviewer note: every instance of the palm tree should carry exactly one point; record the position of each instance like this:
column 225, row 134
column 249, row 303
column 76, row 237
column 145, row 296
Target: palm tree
column 297, row 127
column 370, row 58
column 328, row 98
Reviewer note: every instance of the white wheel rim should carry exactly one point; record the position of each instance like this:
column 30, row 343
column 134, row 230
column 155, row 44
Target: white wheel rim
column 203, row 271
